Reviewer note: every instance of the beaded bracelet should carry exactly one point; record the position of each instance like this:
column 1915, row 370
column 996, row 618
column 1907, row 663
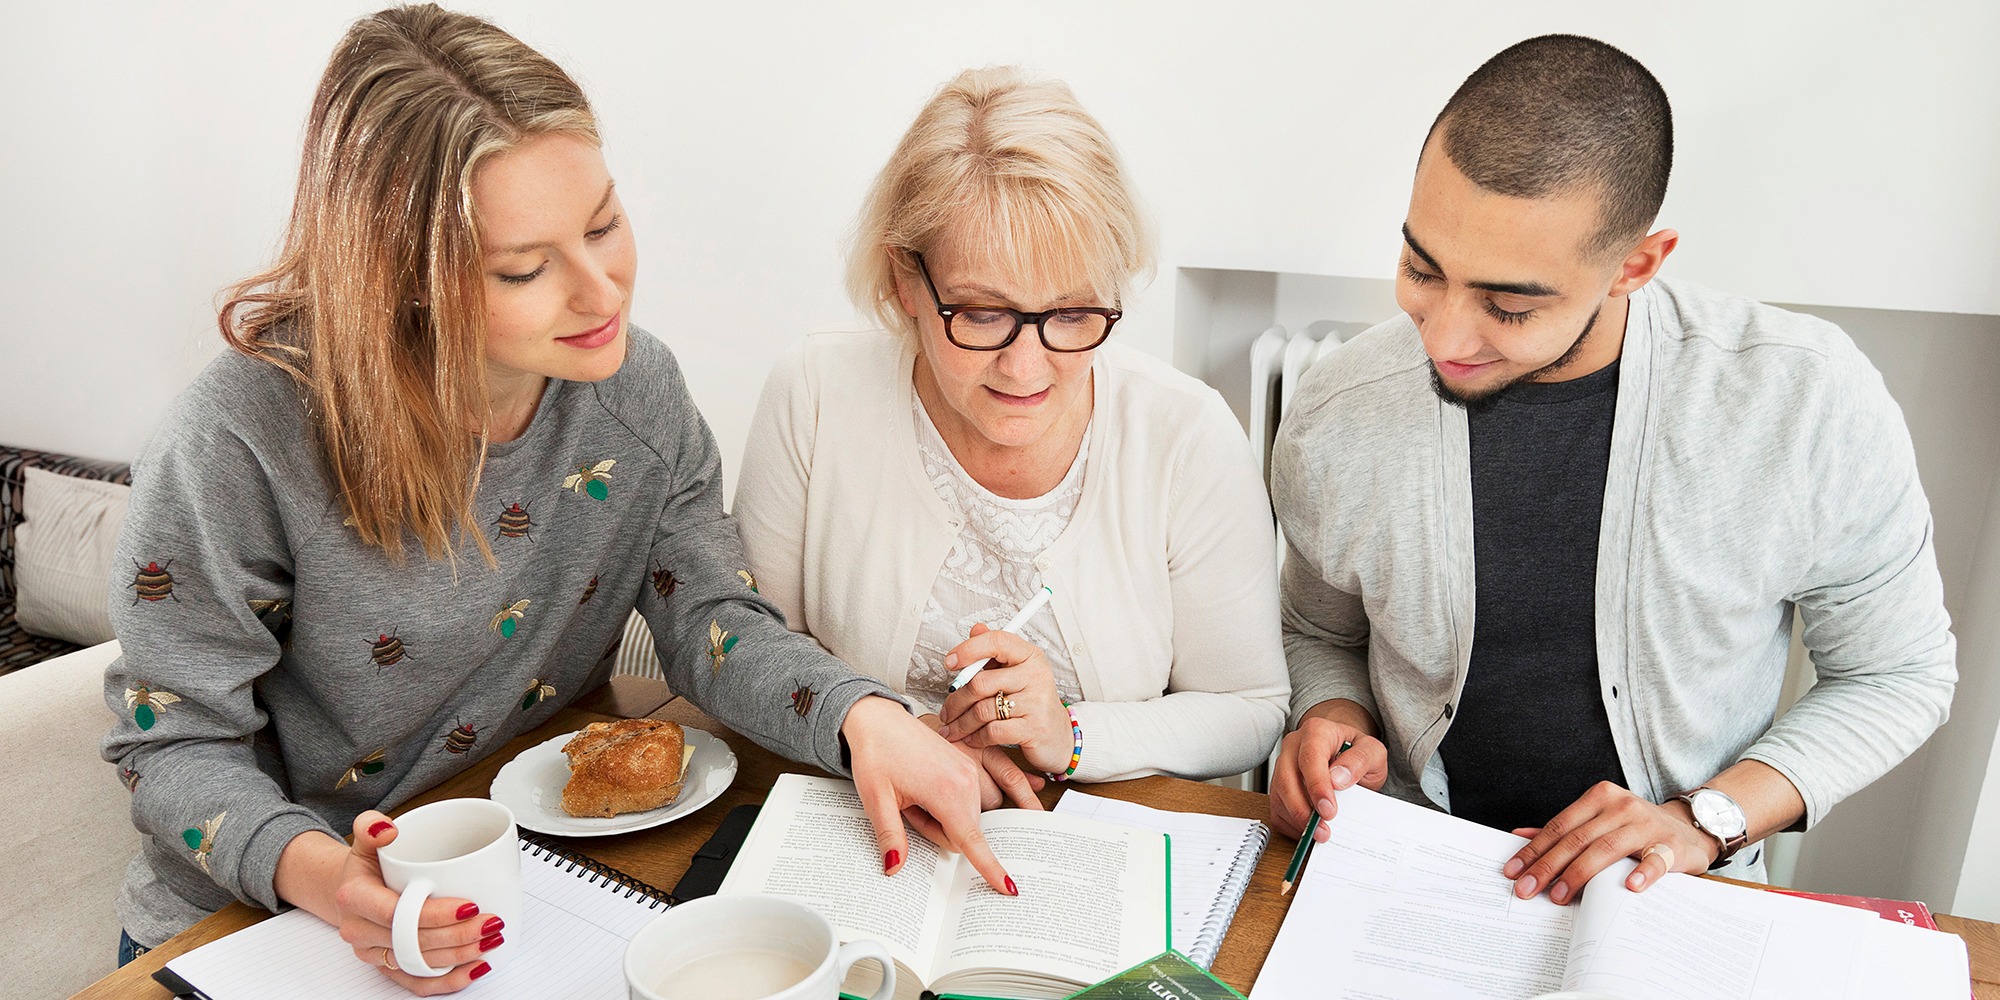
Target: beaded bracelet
column 1076, row 752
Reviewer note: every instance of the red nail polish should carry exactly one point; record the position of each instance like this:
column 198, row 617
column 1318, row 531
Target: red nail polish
column 1011, row 891
column 468, row 911
column 491, row 926
column 380, row 825
column 490, row 942
column 480, row 970
column 890, row 860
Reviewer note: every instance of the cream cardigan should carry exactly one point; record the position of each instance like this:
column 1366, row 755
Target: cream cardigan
column 1165, row 581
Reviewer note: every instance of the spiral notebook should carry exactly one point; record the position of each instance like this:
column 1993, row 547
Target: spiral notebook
column 579, row 916
column 1213, row 859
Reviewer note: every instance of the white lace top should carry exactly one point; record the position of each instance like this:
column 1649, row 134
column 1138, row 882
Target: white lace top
column 991, row 571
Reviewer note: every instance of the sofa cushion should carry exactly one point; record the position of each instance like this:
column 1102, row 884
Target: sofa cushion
column 13, row 463
column 18, row 647
column 63, row 549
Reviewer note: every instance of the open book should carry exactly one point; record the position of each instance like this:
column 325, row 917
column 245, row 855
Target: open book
column 1403, row 901
column 1093, row 902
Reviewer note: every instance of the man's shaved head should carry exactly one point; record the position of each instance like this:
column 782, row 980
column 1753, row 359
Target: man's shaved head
column 1559, row 114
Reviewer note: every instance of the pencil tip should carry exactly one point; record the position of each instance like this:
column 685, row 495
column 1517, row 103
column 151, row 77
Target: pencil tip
column 1286, row 891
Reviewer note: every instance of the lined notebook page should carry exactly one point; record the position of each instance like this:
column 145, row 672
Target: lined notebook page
column 573, row 946
column 1213, row 858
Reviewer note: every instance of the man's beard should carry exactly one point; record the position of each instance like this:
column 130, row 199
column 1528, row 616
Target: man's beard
column 1483, row 400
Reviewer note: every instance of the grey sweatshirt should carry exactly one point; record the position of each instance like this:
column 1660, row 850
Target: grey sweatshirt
column 278, row 676
column 1759, row 469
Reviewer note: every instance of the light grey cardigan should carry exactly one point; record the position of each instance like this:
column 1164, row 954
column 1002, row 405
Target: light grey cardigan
column 1758, row 467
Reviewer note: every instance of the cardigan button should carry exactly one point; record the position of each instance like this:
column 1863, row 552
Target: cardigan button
column 1042, row 563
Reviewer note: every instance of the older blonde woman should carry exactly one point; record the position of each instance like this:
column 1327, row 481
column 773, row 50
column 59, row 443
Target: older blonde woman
column 905, row 491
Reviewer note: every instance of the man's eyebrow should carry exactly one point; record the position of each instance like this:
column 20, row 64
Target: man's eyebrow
column 1525, row 289
column 543, row 245
column 1418, row 249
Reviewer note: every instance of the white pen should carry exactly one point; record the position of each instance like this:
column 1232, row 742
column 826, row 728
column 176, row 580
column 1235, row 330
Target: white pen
column 1027, row 611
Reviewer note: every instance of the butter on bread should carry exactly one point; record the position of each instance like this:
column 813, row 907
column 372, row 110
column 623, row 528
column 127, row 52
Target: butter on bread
column 626, row 766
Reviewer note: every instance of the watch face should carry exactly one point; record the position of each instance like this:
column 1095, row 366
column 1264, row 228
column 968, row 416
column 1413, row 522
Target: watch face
column 1717, row 813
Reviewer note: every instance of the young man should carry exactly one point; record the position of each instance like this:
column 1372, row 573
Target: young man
column 1549, row 529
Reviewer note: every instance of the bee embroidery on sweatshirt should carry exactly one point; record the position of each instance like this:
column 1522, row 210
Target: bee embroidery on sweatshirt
column 514, row 522
column 201, row 839
column 720, row 642
column 664, row 582
column 371, row 764
column 802, row 700
column 148, row 705
column 509, row 618
column 590, row 479
column 387, row 650
column 459, row 740
column 589, row 591
column 153, row 583
column 537, row 690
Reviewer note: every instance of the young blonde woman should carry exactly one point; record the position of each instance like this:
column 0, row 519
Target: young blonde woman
column 906, row 491
column 405, row 519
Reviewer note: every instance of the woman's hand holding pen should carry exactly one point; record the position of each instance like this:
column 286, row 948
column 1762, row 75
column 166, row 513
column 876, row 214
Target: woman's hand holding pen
column 1334, row 748
column 1013, row 701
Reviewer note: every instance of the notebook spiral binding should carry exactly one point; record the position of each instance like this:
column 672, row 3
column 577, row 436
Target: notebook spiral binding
column 597, row 872
column 1209, row 941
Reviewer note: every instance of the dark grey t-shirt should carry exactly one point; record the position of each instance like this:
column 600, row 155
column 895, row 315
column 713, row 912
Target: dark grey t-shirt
column 1529, row 734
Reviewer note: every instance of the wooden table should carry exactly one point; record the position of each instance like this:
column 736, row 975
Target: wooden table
column 660, row 855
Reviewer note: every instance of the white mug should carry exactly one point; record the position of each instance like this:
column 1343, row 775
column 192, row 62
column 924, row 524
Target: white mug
column 746, row 945
column 465, row 848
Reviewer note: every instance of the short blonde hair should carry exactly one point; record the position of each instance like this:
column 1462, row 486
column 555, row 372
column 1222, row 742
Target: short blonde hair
column 1015, row 168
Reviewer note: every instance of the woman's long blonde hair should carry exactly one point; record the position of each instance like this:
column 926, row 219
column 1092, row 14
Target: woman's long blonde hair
column 1014, row 166
column 376, row 304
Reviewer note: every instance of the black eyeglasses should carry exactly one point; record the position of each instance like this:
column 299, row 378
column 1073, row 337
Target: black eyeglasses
column 991, row 328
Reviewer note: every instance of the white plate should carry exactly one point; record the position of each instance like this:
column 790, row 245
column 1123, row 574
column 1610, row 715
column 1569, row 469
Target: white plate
column 532, row 785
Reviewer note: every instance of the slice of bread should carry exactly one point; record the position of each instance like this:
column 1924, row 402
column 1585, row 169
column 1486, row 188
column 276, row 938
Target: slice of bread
column 626, row 766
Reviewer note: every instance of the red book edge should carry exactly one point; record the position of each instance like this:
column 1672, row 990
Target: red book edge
column 1908, row 912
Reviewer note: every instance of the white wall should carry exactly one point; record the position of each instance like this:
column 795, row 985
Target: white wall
column 1833, row 153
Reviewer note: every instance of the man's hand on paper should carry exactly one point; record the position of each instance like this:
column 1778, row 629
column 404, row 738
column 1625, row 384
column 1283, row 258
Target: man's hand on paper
column 905, row 773
column 1312, row 768
column 1608, row 823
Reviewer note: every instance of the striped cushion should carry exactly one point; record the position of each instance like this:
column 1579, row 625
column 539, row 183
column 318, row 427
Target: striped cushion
column 635, row 651
column 63, row 551
column 18, row 648
column 12, row 481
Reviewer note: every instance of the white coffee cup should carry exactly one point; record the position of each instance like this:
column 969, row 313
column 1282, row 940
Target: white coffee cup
column 746, row 946
column 462, row 848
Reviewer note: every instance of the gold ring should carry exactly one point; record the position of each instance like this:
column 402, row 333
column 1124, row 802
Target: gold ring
column 1003, row 706
column 388, row 959
column 1666, row 854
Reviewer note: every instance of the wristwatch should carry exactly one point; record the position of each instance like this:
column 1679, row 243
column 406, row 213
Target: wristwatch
column 1718, row 815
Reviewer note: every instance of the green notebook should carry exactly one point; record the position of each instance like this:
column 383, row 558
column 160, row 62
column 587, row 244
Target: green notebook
column 1166, row 976
column 1094, row 896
